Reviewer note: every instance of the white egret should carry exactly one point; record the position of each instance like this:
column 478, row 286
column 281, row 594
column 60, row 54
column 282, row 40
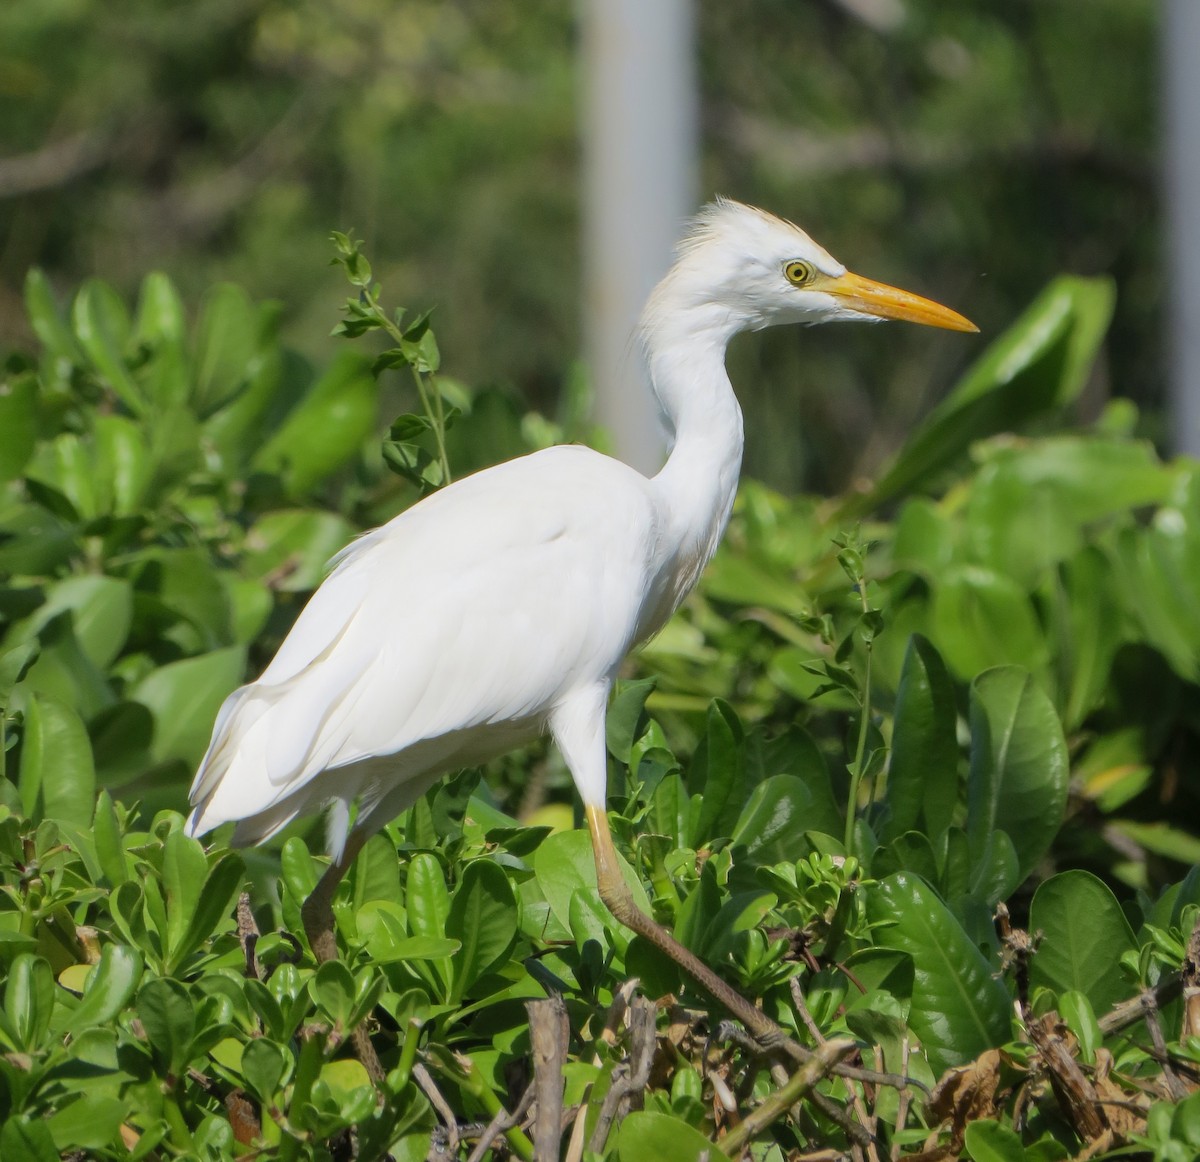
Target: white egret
column 502, row 606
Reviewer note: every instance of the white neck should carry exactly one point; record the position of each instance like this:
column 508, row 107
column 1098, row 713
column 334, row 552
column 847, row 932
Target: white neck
column 697, row 485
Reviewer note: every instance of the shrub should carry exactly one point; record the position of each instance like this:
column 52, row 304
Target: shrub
column 917, row 769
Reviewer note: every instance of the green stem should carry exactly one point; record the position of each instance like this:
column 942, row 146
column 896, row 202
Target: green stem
column 864, row 723
column 312, row 1055
column 472, row 1080
column 434, row 410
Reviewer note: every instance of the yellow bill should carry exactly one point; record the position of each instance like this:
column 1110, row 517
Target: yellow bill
column 889, row 302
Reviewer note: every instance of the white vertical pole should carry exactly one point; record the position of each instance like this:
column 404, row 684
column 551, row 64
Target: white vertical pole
column 1181, row 112
column 639, row 150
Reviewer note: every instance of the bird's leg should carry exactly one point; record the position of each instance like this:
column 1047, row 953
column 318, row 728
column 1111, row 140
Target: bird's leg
column 619, row 900
column 317, row 914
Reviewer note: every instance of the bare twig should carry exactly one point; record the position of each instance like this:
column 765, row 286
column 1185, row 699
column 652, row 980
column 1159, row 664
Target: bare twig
column 800, row 1085
column 430, row 1090
column 632, row 1076
column 499, row 1124
column 549, row 1033
column 55, row 164
column 1175, row 1088
column 248, row 935
column 1131, row 1011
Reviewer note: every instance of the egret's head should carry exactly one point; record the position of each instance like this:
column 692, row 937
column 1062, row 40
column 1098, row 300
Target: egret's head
column 745, row 269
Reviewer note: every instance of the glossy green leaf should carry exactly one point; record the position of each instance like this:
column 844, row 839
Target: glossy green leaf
column 959, row 1007
column 184, row 698
column 626, row 713
column 169, row 1018
column 483, row 919
column 110, row 850
column 988, row 1141
column 56, row 771
column 326, row 429
column 29, row 1000
column 108, row 989
column 333, row 990
column 773, row 820
column 922, row 780
column 1084, row 934
column 717, row 776
column 1019, row 768
column 643, row 1136
column 564, row 864
column 1041, row 362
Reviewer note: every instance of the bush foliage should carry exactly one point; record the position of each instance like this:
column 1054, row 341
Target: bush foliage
column 915, row 767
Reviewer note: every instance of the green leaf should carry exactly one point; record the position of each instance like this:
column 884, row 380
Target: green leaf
column 332, row 988
column 102, row 326
column 564, row 864
column 922, row 781
column 227, row 338
column 18, row 425
column 26, row 1139
column 626, row 716
column 101, row 614
column 122, row 463
column 984, row 619
column 91, row 1122
column 160, row 313
column 263, row 1066
column 294, row 546
column 56, row 772
column 777, row 812
column 184, row 698
column 1040, row 363
column 718, row 774
column 167, row 1015
column 483, row 918
column 326, row 429
column 29, row 1000
column 108, row 989
column 1019, row 769
column 652, row 1137
column 48, row 322
column 988, row 1141
column 959, row 1008
column 1084, row 934
column 110, row 850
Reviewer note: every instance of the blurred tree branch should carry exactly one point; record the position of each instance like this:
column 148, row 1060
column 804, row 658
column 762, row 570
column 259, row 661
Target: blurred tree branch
column 55, row 164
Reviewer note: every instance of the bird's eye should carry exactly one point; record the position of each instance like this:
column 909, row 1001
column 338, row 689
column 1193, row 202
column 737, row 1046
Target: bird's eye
column 798, row 273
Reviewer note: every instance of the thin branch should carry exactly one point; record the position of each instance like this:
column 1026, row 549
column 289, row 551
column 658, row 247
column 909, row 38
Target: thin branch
column 549, row 1033
column 800, row 1085
column 502, row 1122
column 429, row 1087
column 54, row 165
column 630, row 1076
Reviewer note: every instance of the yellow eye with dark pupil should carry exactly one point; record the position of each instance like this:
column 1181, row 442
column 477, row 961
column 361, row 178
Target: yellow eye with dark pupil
column 798, row 273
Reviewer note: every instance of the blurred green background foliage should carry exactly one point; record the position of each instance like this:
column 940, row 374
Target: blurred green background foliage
column 967, row 150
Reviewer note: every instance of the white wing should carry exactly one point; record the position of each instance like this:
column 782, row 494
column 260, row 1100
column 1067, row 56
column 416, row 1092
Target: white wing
column 485, row 604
